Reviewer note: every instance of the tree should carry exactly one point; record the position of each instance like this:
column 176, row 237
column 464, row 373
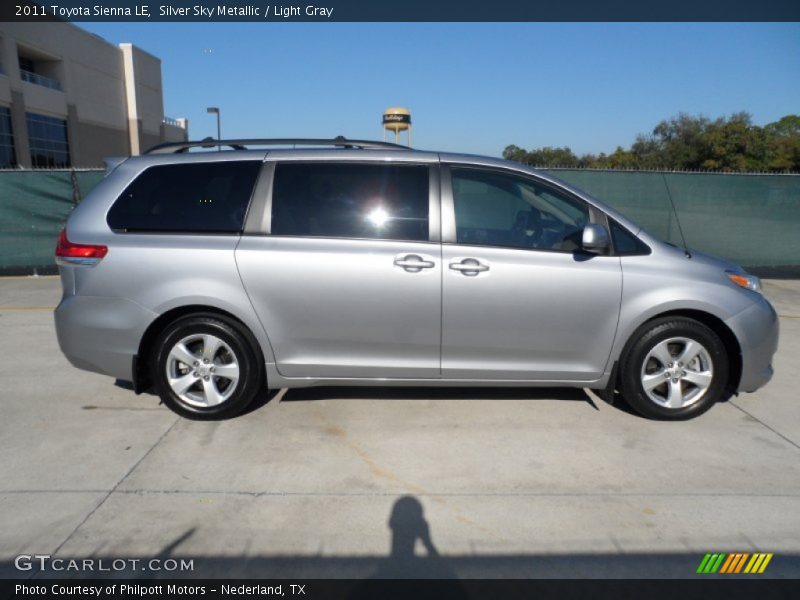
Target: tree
column 686, row 142
column 648, row 153
column 680, row 141
column 784, row 144
column 542, row 157
column 514, row 153
column 787, row 126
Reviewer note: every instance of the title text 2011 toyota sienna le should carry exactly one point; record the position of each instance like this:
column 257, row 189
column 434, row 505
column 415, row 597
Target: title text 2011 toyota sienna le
column 211, row 275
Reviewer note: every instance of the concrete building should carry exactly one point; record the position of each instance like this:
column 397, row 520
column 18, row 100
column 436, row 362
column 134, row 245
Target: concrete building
column 70, row 98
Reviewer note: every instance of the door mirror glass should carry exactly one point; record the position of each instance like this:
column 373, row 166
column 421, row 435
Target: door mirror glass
column 595, row 238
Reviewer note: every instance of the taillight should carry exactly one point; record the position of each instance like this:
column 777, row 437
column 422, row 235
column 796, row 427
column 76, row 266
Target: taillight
column 68, row 253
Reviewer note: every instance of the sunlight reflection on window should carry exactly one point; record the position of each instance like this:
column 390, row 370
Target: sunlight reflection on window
column 378, row 217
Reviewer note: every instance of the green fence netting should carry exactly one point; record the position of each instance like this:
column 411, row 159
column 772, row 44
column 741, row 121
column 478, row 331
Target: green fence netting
column 753, row 220
column 33, row 208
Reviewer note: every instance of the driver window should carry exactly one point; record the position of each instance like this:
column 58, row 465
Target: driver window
column 497, row 209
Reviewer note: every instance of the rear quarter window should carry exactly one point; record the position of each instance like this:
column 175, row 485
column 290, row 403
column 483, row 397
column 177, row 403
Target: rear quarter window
column 625, row 243
column 187, row 198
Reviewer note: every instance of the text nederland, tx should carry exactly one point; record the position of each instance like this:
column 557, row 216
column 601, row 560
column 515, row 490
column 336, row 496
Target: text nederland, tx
column 166, row 10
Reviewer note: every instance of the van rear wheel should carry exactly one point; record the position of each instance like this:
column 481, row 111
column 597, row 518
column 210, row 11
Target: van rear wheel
column 205, row 367
column 675, row 368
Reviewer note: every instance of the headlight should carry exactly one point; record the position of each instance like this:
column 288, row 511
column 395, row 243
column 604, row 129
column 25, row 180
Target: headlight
column 745, row 280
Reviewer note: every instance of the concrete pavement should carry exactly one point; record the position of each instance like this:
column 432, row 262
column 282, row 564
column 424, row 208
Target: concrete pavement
column 330, row 482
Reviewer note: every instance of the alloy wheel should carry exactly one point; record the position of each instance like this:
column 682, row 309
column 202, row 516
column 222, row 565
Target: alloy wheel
column 677, row 372
column 202, row 370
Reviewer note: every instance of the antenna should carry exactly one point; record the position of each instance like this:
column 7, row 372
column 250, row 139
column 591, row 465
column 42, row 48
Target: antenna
column 677, row 220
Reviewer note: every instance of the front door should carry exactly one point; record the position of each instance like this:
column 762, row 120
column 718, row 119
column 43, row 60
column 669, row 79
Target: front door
column 520, row 298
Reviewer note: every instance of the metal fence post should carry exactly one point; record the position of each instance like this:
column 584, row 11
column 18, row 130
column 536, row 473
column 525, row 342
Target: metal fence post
column 76, row 188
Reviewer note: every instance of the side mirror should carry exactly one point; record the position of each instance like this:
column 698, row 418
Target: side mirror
column 595, row 238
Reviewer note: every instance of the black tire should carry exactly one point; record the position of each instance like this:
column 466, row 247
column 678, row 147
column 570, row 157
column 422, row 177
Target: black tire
column 647, row 338
column 243, row 352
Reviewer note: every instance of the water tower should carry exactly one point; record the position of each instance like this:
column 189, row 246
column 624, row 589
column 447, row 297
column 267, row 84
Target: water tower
column 397, row 119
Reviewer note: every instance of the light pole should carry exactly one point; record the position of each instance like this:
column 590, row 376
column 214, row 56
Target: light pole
column 215, row 110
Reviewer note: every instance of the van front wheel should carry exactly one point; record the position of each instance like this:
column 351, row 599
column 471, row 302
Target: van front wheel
column 676, row 368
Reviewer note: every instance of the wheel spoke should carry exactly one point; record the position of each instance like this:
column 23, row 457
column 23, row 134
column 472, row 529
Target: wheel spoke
column 213, row 397
column 204, row 369
column 211, row 344
column 701, row 379
column 661, row 353
column 182, row 354
column 653, row 380
column 690, row 350
column 675, row 397
column 180, row 384
column 229, row 371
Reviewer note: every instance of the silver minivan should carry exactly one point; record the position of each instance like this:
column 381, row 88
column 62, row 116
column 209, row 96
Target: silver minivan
column 209, row 276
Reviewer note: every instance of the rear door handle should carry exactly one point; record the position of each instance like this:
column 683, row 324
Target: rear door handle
column 413, row 263
column 469, row 266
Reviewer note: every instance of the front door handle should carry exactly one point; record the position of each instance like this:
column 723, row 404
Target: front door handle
column 469, row 266
column 413, row 263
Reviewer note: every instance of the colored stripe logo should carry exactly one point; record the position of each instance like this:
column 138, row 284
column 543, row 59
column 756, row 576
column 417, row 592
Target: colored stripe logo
column 734, row 562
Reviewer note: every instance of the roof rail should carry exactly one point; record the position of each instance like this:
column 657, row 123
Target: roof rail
column 241, row 144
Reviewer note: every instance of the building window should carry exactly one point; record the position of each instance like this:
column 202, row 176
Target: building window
column 8, row 158
column 38, row 73
column 26, row 64
column 47, row 137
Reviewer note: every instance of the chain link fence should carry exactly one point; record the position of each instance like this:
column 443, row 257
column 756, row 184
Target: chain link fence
column 33, row 207
column 751, row 219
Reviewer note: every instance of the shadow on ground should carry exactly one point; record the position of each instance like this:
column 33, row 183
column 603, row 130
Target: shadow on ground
column 433, row 393
column 413, row 554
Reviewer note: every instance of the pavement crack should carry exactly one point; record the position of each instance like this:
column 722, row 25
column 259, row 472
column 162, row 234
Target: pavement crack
column 116, row 486
column 391, row 477
column 263, row 494
column 438, row 496
column 772, row 429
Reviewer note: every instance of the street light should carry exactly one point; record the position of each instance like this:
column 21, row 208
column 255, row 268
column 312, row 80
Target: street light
column 215, row 110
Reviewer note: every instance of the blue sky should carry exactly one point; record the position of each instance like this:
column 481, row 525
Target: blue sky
column 470, row 87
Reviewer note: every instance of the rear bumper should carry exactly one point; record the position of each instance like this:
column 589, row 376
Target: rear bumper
column 101, row 334
column 756, row 328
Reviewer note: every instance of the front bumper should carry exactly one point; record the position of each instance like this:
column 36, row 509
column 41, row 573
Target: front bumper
column 756, row 328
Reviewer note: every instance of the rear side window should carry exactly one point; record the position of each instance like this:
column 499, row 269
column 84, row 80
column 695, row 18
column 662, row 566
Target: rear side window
column 187, row 198
column 387, row 202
